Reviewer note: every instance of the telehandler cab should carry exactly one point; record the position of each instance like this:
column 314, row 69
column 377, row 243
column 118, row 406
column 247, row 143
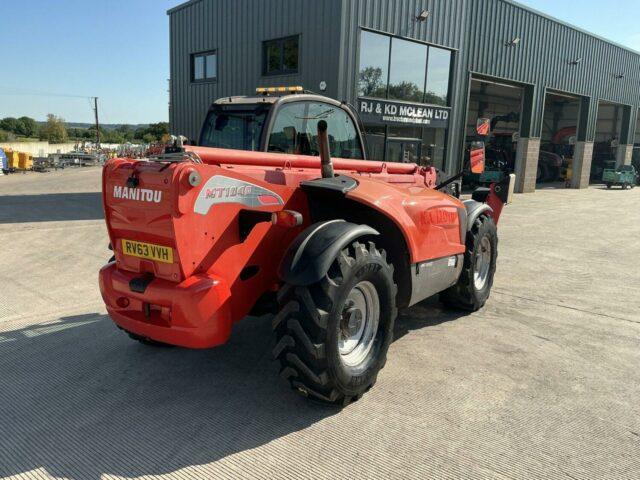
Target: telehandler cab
column 279, row 210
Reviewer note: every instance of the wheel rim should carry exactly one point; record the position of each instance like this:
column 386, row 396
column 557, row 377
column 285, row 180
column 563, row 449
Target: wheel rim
column 483, row 263
column 359, row 323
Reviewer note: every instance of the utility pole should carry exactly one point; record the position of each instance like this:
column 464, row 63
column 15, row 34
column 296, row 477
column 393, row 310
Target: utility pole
column 95, row 109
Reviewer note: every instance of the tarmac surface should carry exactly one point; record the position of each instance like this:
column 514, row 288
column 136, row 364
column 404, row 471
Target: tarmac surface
column 544, row 382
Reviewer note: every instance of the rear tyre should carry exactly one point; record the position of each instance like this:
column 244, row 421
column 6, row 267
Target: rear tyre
column 608, row 185
column 332, row 337
column 474, row 285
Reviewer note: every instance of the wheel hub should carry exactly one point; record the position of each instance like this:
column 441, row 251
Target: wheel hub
column 354, row 318
column 482, row 263
column 359, row 323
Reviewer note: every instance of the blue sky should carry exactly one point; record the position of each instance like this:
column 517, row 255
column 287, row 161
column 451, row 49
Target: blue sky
column 118, row 50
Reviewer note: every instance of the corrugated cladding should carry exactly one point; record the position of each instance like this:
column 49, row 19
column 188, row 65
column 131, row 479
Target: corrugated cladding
column 445, row 27
column 544, row 55
column 236, row 29
column 477, row 29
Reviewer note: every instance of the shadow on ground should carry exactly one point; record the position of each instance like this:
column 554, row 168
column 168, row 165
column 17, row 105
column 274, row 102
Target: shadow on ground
column 428, row 313
column 50, row 207
column 79, row 399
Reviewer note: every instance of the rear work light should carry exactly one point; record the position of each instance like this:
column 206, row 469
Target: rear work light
column 286, row 218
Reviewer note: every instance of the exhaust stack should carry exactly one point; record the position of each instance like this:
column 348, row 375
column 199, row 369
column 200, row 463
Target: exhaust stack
column 323, row 146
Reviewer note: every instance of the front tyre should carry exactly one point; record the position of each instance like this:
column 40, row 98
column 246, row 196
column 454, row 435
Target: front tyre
column 332, row 337
column 474, row 285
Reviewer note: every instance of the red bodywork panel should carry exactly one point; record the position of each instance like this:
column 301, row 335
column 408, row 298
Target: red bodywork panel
column 220, row 267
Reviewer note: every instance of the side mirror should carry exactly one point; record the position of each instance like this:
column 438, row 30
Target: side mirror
column 477, row 157
column 483, row 126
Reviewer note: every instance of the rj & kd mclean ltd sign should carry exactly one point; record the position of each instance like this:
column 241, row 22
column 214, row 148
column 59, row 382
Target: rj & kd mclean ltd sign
column 400, row 113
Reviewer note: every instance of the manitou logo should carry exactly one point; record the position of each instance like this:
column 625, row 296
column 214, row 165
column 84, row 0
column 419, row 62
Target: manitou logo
column 439, row 216
column 138, row 194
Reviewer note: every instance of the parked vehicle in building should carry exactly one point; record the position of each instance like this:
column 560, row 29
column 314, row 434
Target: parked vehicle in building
column 334, row 247
column 550, row 167
column 604, row 158
column 624, row 176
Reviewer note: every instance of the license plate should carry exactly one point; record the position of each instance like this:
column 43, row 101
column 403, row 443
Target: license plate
column 147, row 250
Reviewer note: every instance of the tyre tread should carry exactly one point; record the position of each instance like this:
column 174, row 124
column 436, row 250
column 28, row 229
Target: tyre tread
column 462, row 295
column 301, row 325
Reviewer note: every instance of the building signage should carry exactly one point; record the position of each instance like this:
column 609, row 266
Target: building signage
column 388, row 112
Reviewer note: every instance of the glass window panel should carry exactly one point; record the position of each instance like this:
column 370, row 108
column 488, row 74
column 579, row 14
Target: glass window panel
column 406, row 75
column 198, row 68
column 375, row 135
column 404, row 144
column 288, row 132
column 233, row 129
column 438, row 70
column 433, row 147
column 405, row 132
column 374, row 65
column 211, row 67
column 273, row 57
column 343, row 138
column 291, row 55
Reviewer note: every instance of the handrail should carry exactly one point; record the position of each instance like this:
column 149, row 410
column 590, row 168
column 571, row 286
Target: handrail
column 222, row 156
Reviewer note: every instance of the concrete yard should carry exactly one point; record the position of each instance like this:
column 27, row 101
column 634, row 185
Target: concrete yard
column 544, row 382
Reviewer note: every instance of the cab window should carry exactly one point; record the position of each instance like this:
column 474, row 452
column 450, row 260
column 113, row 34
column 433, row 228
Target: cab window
column 295, row 130
column 288, row 127
column 234, row 129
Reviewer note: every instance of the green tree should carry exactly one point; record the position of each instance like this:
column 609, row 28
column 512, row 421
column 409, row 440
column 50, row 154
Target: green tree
column 125, row 132
column 158, row 129
column 54, row 131
column 370, row 83
column 28, row 126
column 405, row 91
column 149, row 138
column 75, row 133
column 10, row 124
column 90, row 134
column 6, row 136
column 139, row 133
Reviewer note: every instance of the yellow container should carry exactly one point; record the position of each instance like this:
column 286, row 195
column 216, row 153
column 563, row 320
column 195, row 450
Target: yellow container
column 25, row 161
column 13, row 159
column 568, row 176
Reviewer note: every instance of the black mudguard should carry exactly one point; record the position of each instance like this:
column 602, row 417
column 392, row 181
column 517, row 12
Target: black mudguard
column 474, row 210
column 310, row 255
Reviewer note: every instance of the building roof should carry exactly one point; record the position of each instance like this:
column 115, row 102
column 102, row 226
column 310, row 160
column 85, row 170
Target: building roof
column 566, row 24
column 180, row 6
column 188, row 3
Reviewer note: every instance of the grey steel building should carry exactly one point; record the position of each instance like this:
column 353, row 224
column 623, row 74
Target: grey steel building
column 422, row 73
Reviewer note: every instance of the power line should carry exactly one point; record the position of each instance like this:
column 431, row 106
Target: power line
column 19, row 92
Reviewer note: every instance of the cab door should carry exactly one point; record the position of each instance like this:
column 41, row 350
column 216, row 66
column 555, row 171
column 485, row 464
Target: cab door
column 295, row 130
